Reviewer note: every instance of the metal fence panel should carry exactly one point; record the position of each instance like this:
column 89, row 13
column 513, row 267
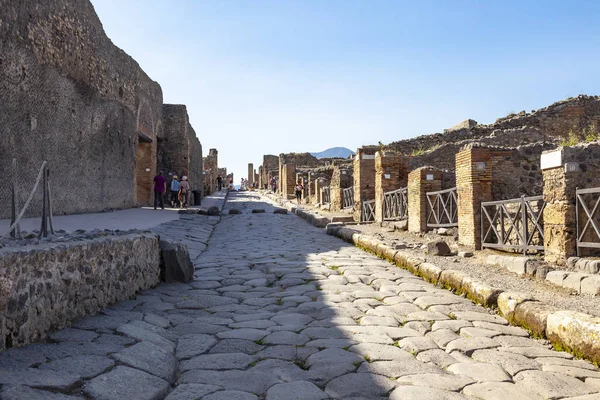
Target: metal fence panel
column 588, row 219
column 368, row 211
column 395, row 204
column 348, row 197
column 515, row 224
column 442, row 209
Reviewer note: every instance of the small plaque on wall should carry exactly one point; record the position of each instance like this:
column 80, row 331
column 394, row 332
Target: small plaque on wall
column 480, row 166
column 387, row 176
column 551, row 159
column 147, row 169
column 429, row 177
column 368, row 156
column 572, row 167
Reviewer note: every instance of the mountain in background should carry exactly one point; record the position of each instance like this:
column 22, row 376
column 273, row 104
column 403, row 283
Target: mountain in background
column 334, row 152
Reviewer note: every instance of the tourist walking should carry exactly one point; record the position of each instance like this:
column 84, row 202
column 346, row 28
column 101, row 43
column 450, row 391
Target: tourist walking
column 160, row 186
column 219, row 182
column 184, row 190
column 175, row 191
column 299, row 189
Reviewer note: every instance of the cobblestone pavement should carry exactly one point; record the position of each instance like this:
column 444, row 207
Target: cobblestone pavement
column 279, row 311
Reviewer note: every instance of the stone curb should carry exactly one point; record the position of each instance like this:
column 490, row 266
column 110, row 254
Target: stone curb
column 574, row 332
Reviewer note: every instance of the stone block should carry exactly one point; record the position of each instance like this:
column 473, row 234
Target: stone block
column 586, row 265
column 575, row 331
column 451, row 279
column 176, row 265
column 532, row 315
column 430, row 272
column 213, row 211
column 573, row 281
column 518, row 265
column 333, row 228
column 556, row 277
column 188, row 211
column 401, row 225
column 342, row 218
column 480, row 292
column 508, row 302
column 280, row 211
column 234, row 211
column 591, row 285
column 258, row 211
column 464, row 254
column 438, row 248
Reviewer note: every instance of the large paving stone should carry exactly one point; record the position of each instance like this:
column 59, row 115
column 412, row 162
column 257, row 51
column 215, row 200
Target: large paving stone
column 231, row 395
column 203, row 302
column 334, row 356
column 100, row 321
column 218, row 362
column 236, row 346
column 469, row 345
column 192, row 345
column 191, row 391
column 243, row 333
column 86, row 366
column 448, row 382
column 12, row 392
column 424, row 393
column 126, row 383
column 68, row 349
column 148, row 357
column 394, row 369
column 380, row 352
column 257, row 382
column 499, row 391
column 480, row 372
column 73, row 335
column 300, row 390
column 359, row 385
column 41, row 379
column 550, row 385
column 143, row 334
column 512, row 363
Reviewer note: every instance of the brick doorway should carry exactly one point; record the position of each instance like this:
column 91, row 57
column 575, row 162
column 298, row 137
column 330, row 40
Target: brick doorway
column 143, row 173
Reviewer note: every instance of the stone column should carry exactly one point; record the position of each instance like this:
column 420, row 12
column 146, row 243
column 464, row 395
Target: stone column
column 473, row 185
column 250, row 174
column 390, row 174
column 318, row 188
column 335, row 190
column 421, row 181
column 560, row 215
column 364, row 179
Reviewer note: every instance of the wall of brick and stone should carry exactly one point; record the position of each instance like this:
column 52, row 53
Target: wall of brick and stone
column 211, row 170
column 44, row 287
column 179, row 150
column 69, row 94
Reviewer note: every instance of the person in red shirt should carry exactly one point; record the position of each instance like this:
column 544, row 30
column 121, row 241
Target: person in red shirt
column 160, row 185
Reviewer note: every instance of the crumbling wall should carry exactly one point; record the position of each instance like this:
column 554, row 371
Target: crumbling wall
column 71, row 97
column 211, row 169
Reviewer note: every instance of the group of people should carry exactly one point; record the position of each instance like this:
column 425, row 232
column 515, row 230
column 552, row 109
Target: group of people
column 180, row 191
column 273, row 184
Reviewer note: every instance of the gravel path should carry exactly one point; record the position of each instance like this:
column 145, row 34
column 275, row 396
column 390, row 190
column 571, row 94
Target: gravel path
column 281, row 311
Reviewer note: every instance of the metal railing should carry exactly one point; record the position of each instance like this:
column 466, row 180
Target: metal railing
column 348, row 197
column 368, row 211
column 588, row 231
column 395, row 204
column 514, row 224
column 442, row 209
column 326, row 195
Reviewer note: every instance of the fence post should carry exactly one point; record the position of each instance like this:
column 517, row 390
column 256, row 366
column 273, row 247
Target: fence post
column 15, row 233
column 524, row 222
column 577, row 221
column 44, row 224
column 390, row 174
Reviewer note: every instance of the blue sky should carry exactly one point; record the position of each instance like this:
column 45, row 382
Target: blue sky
column 266, row 77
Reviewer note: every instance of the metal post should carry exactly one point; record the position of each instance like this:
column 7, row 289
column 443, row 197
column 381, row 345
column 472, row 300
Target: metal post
column 13, row 215
column 524, row 222
column 50, row 212
column 44, row 224
column 577, row 220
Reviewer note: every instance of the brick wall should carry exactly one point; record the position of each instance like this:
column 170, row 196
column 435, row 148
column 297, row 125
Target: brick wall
column 390, row 174
column 418, row 185
column 364, row 178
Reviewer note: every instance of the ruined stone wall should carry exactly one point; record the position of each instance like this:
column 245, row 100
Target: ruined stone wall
column 56, row 284
column 196, row 163
column 301, row 159
column 364, row 177
column 552, row 123
column 270, row 164
column 71, row 97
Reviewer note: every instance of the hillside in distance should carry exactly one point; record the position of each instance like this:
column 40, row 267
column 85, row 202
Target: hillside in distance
column 334, row 152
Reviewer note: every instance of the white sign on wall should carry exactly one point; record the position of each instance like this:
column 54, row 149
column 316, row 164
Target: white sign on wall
column 387, row 176
column 368, row 156
column 480, row 165
column 572, row 167
column 147, row 169
column 429, row 177
column 551, row 159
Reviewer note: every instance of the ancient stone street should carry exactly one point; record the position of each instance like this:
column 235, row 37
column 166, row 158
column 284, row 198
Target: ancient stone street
column 279, row 310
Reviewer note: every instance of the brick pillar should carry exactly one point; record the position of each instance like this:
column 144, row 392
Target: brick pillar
column 318, row 188
column 335, row 190
column 473, row 185
column 421, row 181
column 250, row 174
column 364, row 179
column 290, row 183
column 560, row 218
column 390, row 174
